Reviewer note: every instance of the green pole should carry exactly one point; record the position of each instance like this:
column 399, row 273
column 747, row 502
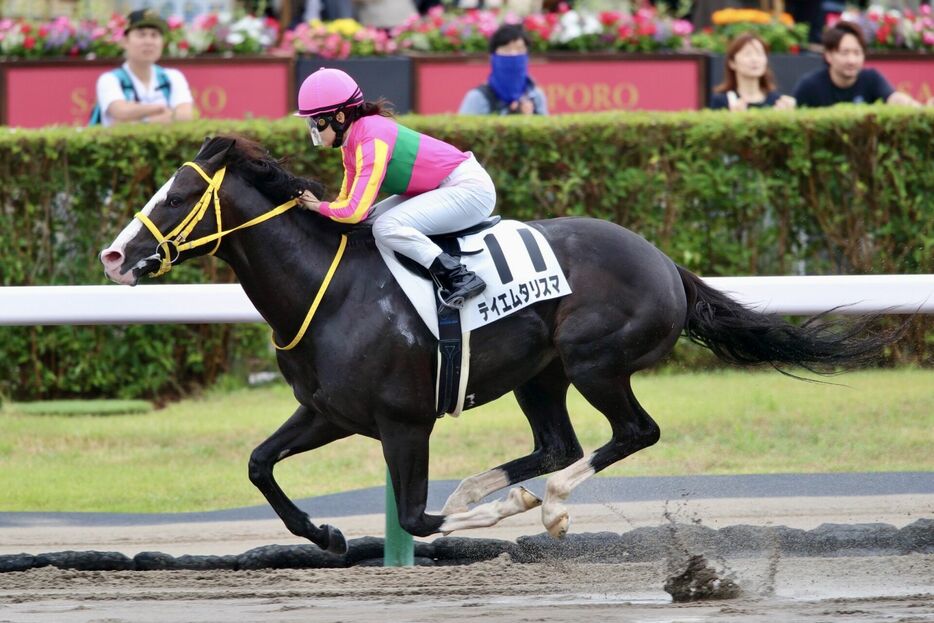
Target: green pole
column 399, row 550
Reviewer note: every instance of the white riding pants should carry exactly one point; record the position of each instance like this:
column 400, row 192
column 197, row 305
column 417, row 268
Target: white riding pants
column 464, row 198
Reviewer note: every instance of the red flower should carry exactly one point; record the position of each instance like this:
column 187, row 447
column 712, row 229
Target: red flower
column 625, row 31
column 29, row 43
column 646, row 29
column 43, row 30
column 891, row 20
column 73, row 51
column 883, row 33
column 25, row 28
column 563, row 7
column 182, row 45
column 794, row 48
column 608, row 18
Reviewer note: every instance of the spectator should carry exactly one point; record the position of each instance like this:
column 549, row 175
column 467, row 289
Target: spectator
column 844, row 79
column 509, row 89
column 140, row 90
column 747, row 79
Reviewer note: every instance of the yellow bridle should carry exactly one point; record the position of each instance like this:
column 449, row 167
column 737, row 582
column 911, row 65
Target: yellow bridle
column 178, row 239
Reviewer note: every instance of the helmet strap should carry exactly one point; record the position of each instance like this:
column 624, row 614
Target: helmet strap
column 340, row 128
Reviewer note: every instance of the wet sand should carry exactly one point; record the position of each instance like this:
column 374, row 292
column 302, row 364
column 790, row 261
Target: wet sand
column 798, row 589
column 786, row 590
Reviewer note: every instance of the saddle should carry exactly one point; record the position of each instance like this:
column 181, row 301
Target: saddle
column 448, row 243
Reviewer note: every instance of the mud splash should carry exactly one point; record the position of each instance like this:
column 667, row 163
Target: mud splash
column 700, row 582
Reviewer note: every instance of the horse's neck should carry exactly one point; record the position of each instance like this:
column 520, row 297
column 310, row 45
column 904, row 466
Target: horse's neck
column 281, row 267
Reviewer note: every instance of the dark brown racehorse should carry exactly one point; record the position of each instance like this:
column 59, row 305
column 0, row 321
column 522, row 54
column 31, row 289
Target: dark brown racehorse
column 366, row 365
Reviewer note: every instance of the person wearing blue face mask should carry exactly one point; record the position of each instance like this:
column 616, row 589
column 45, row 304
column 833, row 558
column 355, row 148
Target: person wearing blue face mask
column 509, row 89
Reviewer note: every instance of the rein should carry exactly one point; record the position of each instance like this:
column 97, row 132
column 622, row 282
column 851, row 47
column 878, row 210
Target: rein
column 171, row 245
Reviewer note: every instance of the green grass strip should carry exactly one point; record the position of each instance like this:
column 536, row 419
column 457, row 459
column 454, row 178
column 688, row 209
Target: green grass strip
column 79, row 407
column 192, row 455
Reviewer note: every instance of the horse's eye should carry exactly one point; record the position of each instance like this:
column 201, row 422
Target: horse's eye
column 173, row 202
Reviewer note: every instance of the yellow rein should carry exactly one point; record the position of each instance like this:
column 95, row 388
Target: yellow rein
column 177, row 238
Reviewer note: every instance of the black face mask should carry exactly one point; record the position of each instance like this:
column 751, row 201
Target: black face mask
column 317, row 124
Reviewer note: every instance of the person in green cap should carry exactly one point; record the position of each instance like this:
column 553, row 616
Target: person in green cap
column 140, row 90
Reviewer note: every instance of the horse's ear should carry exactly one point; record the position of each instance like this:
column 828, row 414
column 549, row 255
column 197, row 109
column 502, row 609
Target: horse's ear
column 221, row 145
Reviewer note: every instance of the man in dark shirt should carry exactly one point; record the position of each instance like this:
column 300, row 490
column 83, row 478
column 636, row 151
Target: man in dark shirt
column 844, row 79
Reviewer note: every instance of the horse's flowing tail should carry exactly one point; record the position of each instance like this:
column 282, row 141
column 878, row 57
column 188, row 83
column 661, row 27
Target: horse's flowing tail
column 739, row 335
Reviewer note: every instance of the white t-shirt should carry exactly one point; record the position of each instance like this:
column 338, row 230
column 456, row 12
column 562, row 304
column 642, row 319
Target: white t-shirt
column 109, row 91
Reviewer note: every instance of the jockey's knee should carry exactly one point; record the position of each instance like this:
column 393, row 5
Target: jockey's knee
column 383, row 227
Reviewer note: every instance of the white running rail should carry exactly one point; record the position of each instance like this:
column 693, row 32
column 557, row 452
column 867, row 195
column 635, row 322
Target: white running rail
column 227, row 303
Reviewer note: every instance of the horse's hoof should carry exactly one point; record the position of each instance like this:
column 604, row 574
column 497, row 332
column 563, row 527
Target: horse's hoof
column 529, row 499
column 559, row 528
column 337, row 544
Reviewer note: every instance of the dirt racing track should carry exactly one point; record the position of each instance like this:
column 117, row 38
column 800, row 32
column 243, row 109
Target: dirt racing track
column 853, row 547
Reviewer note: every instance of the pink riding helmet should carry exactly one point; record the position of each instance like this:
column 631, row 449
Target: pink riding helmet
column 327, row 90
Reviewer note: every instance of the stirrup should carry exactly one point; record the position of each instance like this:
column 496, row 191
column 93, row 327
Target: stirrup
column 455, row 302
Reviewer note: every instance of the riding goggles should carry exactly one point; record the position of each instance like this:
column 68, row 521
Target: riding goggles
column 315, row 126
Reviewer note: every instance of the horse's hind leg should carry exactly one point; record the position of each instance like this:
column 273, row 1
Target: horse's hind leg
column 304, row 430
column 633, row 429
column 544, row 402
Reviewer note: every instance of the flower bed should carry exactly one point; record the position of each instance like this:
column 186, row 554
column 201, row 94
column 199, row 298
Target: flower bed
column 213, row 33
column 781, row 34
column 896, row 30
column 645, row 30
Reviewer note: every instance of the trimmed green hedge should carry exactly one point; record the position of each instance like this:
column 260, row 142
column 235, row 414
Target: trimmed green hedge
column 844, row 190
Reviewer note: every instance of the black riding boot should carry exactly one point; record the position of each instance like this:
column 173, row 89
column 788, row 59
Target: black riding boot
column 457, row 283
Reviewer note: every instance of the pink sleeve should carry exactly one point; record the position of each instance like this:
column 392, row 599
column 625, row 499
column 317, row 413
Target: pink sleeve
column 371, row 158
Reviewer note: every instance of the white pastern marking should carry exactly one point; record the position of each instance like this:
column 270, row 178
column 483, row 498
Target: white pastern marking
column 519, row 500
column 561, row 484
column 472, row 490
column 130, row 231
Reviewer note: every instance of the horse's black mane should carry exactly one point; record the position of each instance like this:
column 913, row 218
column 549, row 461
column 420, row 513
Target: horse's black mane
column 255, row 165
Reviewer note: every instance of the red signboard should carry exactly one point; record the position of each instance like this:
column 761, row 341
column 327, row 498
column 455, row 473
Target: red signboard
column 913, row 75
column 39, row 94
column 574, row 84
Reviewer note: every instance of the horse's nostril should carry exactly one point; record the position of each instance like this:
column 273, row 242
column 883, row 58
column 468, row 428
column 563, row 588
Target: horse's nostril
column 111, row 257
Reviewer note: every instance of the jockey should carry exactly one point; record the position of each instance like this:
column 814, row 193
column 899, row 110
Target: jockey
column 435, row 188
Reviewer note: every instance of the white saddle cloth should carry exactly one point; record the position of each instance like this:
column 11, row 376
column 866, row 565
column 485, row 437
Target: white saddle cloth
column 530, row 274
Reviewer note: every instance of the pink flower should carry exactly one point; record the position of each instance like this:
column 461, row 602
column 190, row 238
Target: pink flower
column 682, row 27
column 929, row 38
column 175, row 22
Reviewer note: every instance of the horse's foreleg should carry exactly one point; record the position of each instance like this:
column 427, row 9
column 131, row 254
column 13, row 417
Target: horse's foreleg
column 305, row 430
column 405, row 447
column 543, row 400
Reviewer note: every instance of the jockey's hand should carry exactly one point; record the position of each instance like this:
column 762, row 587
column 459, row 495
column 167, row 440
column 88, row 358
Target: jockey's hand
column 309, row 201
